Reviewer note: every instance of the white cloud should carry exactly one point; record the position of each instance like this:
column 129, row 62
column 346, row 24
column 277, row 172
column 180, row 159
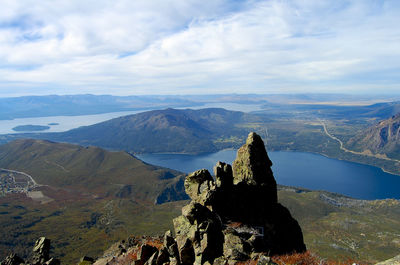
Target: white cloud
column 164, row 47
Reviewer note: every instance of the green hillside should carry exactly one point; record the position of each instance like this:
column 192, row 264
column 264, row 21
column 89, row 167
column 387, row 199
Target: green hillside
column 86, row 197
column 86, row 169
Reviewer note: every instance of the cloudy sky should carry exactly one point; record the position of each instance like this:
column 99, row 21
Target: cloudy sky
column 131, row 47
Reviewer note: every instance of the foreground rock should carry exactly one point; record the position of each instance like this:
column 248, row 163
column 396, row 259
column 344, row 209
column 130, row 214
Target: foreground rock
column 40, row 255
column 237, row 215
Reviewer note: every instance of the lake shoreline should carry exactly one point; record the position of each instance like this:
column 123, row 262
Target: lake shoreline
column 309, row 170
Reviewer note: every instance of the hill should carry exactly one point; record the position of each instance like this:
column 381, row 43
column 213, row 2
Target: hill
column 382, row 138
column 86, row 169
column 169, row 130
column 80, row 197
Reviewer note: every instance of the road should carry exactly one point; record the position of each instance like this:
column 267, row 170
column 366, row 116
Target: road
column 354, row 152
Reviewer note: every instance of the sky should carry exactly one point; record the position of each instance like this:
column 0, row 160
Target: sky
column 136, row 47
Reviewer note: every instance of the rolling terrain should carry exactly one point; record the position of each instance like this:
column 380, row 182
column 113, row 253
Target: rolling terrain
column 86, row 198
column 82, row 197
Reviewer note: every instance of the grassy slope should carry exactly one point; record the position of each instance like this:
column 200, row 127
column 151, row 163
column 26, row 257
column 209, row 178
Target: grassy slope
column 336, row 227
column 97, row 197
column 78, row 228
column 86, row 169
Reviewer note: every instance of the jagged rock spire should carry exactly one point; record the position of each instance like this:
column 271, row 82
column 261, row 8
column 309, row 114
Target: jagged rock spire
column 252, row 166
column 245, row 196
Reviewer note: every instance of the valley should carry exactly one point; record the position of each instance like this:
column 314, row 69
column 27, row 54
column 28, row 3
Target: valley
column 93, row 194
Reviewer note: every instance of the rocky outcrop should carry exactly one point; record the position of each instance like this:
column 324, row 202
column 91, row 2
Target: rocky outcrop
column 40, row 255
column 237, row 214
column 12, row 259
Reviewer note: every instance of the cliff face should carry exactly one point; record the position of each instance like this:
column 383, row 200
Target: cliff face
column 382, row 138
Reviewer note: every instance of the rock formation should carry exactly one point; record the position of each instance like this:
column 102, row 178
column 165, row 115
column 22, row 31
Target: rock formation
column 40, row 255
column 236, row 215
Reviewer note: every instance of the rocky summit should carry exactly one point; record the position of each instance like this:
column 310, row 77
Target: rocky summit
column 235, row 216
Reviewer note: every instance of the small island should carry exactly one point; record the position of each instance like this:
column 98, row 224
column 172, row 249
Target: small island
column 53, row 123
column 31, row 128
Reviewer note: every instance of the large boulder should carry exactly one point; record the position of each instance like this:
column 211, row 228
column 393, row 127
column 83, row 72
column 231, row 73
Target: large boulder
column 200, row 186
column 198, row 234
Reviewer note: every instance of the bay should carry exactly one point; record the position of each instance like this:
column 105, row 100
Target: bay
column 299, row 169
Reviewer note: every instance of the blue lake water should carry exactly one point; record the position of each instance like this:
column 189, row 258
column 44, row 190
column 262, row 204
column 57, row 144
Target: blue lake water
column 299, row 169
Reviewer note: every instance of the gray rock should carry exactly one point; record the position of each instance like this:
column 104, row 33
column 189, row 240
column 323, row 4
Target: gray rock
column 264, row 260
column 186, row 252
column 252, row 166
column 145, row 252
column 12, row 259
column 235, row 247
column 41, row 250
column 163, row 256
column 223, row 175
column 54, row 261
column 200, row 186
column 153, row 259
column 171, row 245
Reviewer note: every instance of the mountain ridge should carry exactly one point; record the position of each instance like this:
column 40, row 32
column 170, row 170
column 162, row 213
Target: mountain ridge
column 168, row 130
column 382, row 138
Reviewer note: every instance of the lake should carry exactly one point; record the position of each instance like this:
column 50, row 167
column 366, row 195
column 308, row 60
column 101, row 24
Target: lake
column 300, row 169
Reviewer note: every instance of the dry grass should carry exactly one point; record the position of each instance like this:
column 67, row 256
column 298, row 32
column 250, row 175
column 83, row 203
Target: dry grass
column 308, row 258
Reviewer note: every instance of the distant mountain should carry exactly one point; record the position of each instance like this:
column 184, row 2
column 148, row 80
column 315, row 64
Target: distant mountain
column 55, row 105
column 330, row 111
column 382, row 138
column 169, row 130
